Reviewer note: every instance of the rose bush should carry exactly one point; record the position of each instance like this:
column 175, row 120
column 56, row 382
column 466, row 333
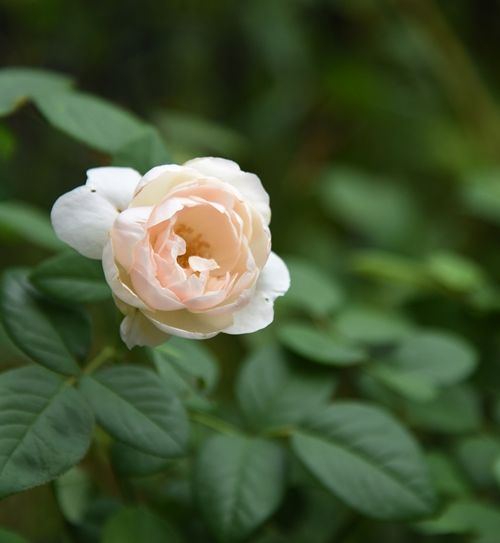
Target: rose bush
column 185, row 249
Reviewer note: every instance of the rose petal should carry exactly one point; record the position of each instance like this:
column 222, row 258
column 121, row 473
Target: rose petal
column 136, row 329
column 273, row 282
column 83, row 217
column 112, row 274
column 129, row 229
column 248, row 184
column 188, row 325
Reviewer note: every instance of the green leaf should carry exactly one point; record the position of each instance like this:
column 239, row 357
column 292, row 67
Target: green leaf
column 20, row 84
column 10, row 537
column 135, row 524
column 411, row 386
column 45, row 428
column 272, row 392
column 372, row 326
column 319, row 346
column 91, row 120
column 456, row 410
column 188, row 367
column 382, row 211
column 455, row 272
column 70, row 277
column 481, row 194
column 238, row 483
column 143, row 153
column 477, row 456
column 21, row 221
column 365, row 457
column 447, row 476
column 136, row 407
column 131, row 462
column 198, row 136
column 311, row 289
column 52, row 335
column 392, row 268
column 439, row 358
column 464, row 517
column 74, row 493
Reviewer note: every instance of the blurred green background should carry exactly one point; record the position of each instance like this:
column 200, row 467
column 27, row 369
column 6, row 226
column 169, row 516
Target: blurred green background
column 375, row 127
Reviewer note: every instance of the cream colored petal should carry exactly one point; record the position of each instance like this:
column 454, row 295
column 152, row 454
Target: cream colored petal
column 188, row 325
column 129, row 229
column 273, row 282
column 158, row 182
column 248, row 184
column 137, row 330
column 112, row 274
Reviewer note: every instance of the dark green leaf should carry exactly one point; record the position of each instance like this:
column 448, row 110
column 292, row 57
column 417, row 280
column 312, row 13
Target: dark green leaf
column 137, row 524
column 366, row 458
column 477, row 456
column 272, row 392
column 95, row 122
column 464, row 517
column 320, row 346
column 52, row 335
column 455, row 410
column 439, row 358
column 71, row 277
column 311, row 289
column 382, row 211
column 133, row 462
column 74, row 494
column 372, row 326
column 19, row 84
column 45, row 428
column 188, row 367
column 410, row 385
column 238, row 483
column 143, row 153
column 22, row 221
column 135, row 406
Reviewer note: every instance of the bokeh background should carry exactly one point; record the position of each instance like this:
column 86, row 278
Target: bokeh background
column 375, row 127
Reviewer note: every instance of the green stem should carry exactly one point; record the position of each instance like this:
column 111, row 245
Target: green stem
column 214, row 423
column 107, row 353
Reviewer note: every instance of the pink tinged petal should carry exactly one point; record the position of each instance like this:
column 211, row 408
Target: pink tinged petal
column 146, row 284
column 248, row 184
column 129, row 229
column 137, row 330
column 119, row 287
column 83, row 217
column 273, row 282
column 209, row 189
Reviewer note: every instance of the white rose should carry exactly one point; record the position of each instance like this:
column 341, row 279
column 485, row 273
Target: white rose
column 186, row 249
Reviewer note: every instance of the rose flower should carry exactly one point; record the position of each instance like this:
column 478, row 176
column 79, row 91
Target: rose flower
column 185, row 249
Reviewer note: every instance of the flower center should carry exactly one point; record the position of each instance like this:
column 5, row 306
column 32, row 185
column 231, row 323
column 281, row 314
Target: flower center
column 196, row 245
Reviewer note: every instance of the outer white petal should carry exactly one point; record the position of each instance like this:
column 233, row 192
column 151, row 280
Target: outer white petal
column 274, row 281
column 136, row 329
column 248, row 184
column 83, row 217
